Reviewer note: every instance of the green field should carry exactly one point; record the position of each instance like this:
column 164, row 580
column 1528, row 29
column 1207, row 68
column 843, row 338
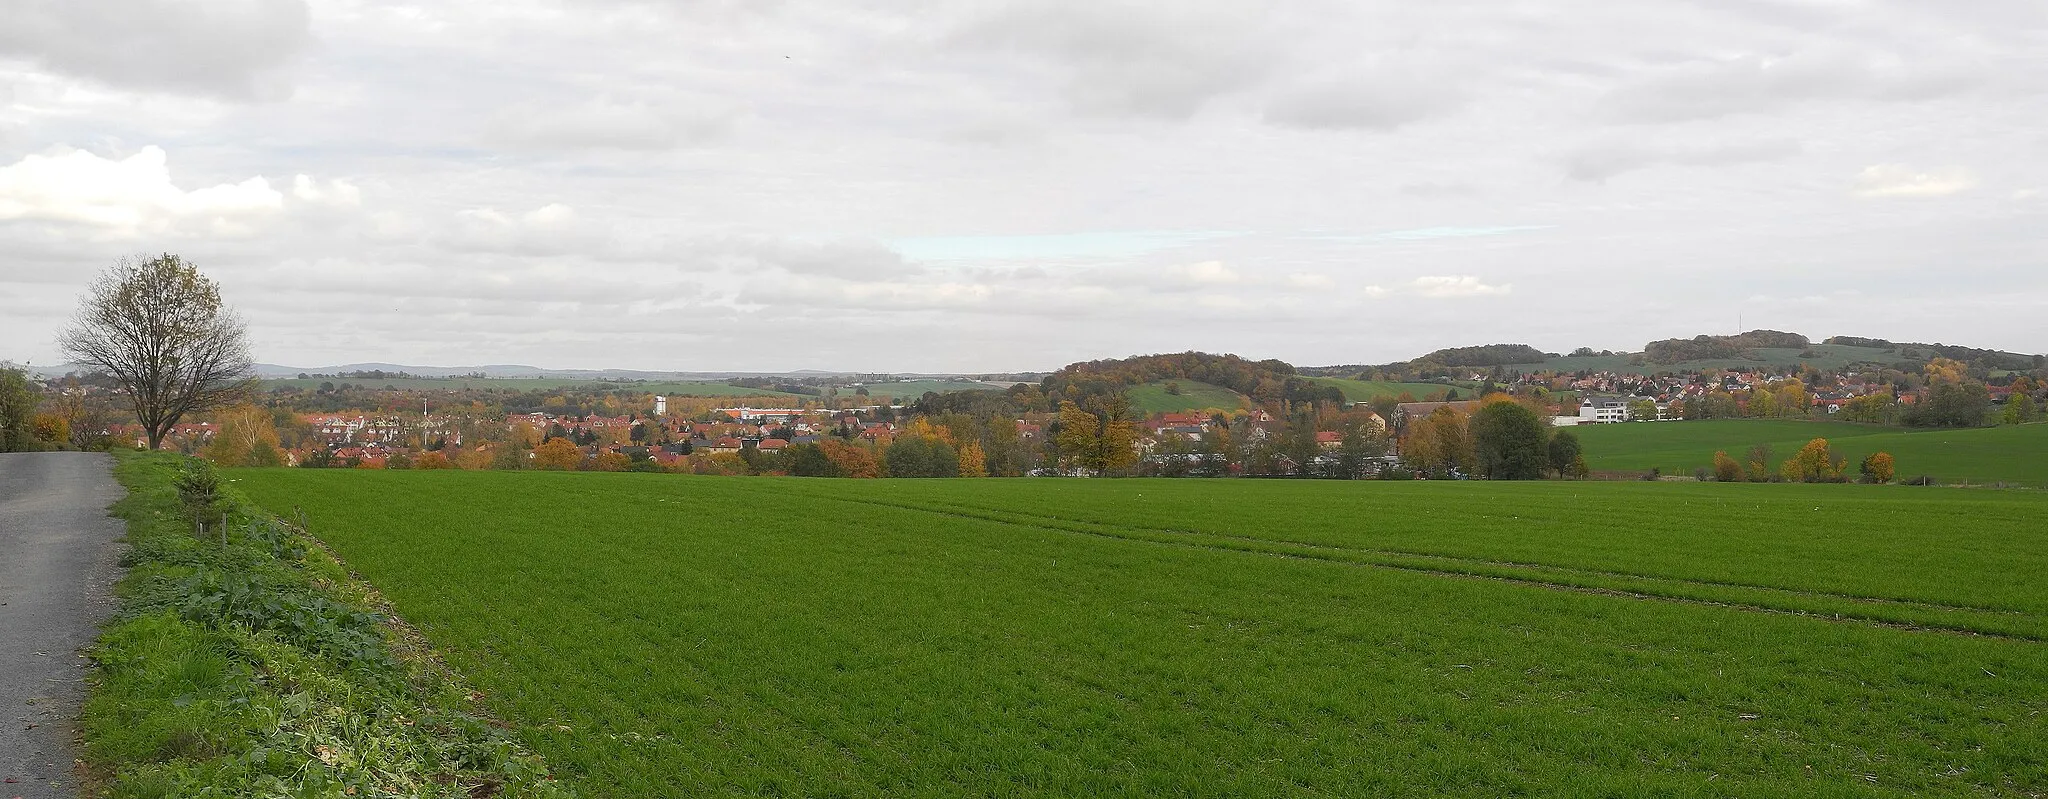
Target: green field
column 1194, row 396
column 657, row 635
column 1367, row 390
column 912, row 389
column 2012, row 454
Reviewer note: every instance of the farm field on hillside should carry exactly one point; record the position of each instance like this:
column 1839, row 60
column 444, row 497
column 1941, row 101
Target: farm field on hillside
column 669, row 635
column 1194, row 396
column 912, row 389
column 2014, row 454
column 1367, row 390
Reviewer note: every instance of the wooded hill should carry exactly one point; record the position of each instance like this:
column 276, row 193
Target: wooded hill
column 1265, row 382
column 1751, row 349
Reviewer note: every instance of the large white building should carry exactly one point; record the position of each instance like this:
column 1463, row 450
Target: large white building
column 1610, row 410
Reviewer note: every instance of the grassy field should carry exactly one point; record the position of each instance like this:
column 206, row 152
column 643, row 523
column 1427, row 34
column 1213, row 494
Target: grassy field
column 912, row 389
column 1367, row 390
column 1194, row 396
column 658, row 635
column 2013, row 454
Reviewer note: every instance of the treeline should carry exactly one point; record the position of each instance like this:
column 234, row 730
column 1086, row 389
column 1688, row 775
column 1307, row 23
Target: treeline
column 1488, row 355
column 1814, row 463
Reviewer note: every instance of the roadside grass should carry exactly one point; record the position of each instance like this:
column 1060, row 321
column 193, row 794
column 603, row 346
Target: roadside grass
column 657, row 635
column 1194, row 395
column 245, row 662
column 1985, row 455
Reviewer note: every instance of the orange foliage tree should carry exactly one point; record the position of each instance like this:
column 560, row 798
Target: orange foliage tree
column 557, row 454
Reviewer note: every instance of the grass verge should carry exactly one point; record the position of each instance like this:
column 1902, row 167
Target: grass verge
column 245, row 661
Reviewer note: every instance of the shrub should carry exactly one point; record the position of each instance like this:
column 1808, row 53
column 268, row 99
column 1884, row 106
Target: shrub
column 1878, row 468
column 1726, row 469
column 198, row 486
column 1815, row 463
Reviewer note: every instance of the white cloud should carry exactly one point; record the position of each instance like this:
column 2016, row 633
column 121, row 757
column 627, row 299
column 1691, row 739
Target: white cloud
column 606, row 122
column 1455, row 286
column 1311, row 281
column 1900, row 180
column 1601, row 162
column 1210, row 272
column 130, row 196
column 336, row 192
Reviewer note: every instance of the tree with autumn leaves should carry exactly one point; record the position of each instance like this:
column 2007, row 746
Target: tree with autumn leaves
column 1097, row 443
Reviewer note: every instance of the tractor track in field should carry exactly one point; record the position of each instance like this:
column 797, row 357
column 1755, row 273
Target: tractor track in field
column 1477, row 568
column 1579, row 570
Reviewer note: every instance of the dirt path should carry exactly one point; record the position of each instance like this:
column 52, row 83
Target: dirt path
column 57, row 570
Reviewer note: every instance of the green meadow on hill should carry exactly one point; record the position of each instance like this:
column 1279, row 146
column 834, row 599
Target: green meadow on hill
column 1152, row 397
column 2010, row 454
column 1368, row 390
column 656, row 635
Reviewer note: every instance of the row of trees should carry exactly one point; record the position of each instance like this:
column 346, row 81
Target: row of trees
column 1501, row 440
column 1814, row 463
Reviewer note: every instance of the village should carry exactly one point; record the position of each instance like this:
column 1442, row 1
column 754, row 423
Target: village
column 702, row 439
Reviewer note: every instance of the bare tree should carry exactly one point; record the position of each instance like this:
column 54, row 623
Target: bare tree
column 159, row 327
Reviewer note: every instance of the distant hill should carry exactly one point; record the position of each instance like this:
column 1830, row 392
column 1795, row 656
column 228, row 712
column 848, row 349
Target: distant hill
column 1701, row 348
column 1754, row 349
column 1259, row 381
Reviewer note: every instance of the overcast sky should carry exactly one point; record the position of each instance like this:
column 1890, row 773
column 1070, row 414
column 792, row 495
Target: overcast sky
column 983, row 186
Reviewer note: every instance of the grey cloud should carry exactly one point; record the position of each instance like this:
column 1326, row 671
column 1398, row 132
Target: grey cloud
column 1131, row 58
column 1760, row 83
column 728, row 201
column 1435, row 190
column 1602, row 162
column 223, row 49
column 1366, row 100
column 605, row 122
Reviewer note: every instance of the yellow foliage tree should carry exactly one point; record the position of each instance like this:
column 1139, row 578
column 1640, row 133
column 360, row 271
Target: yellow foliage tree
column 611, row 462
column 432, row 460
column 852, row 460
column 1947, row 371
column 246, row 437
column 1793, row 398
column 51, row 427
column 557, row 454
column 1879, row 468
column 1815, row 463
column 1726, row 469
column 973, row 462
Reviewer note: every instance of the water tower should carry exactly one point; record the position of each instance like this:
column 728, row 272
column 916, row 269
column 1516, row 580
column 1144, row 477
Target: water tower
column 660, row 405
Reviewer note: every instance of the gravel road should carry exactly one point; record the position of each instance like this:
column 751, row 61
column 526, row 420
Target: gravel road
column 58, row 565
